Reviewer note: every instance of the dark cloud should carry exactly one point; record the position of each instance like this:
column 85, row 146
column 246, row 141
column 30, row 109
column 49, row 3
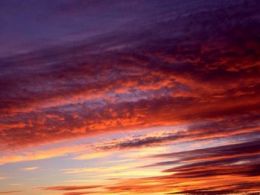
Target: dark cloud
column 232, row 128
column 240, row 148
column 232, row 168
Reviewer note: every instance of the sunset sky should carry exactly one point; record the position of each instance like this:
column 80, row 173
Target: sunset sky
column 129, row 97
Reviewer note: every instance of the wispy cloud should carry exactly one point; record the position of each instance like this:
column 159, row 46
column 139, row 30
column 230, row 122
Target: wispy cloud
column 223, row 169
column 30, row 168
column 74, row 190
column 10, row 192
column 40, row 154
column 2, row 178
column 70, row 188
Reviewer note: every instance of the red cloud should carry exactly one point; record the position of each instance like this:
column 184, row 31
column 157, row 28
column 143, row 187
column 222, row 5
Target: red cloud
column 192, row 72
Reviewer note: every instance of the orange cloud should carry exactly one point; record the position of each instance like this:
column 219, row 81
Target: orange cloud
column 39, row 155
column 10, row 192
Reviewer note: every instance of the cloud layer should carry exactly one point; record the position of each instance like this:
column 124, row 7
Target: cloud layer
column 150, row 65
column 200, row 66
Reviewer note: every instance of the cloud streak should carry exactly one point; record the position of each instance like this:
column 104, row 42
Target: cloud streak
column 70, row 188
column 224, row 169
column 10, row 192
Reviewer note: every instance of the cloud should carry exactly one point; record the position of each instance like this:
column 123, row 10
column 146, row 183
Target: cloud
column 10, row 192
column 135, row 65
column 92, row 155
column 70, row 188
column 194, row 68
column 78, row 193
column 2, row 178
column 231, row 168
column 74, row 190
column 209, row 130
column 30, row 168
column 32, row 155
column 244, row 127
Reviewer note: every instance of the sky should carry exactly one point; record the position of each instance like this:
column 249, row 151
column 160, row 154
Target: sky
column 140, row 97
